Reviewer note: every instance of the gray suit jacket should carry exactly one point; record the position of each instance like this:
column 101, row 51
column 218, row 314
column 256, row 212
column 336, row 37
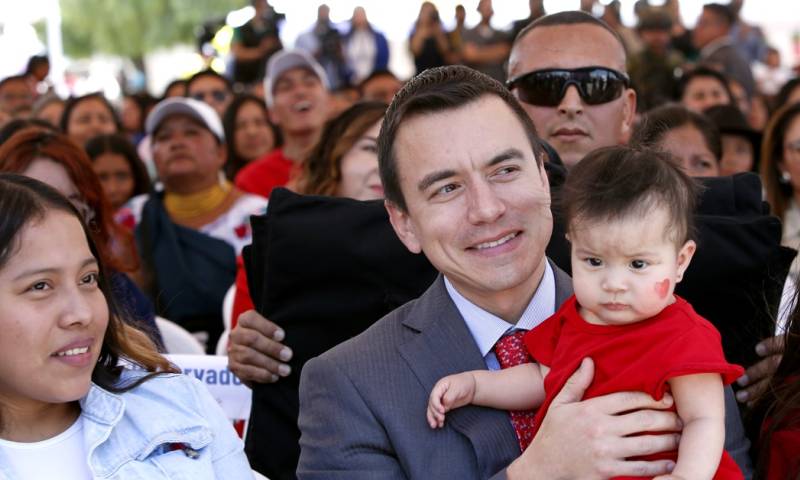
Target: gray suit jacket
column 362, row 403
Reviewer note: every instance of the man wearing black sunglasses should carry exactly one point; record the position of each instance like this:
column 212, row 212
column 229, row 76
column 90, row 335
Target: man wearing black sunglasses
column 567, row 69
column 212, row 88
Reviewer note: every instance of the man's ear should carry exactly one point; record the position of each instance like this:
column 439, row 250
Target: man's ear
column 685, row 255
column 628, row 115
column 403, row 227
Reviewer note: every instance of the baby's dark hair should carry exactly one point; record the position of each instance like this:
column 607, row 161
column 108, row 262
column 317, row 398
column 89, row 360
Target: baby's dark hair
column 614, row 183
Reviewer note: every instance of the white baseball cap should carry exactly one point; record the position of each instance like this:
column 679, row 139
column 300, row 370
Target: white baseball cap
column 190, row 107
column 285, row 60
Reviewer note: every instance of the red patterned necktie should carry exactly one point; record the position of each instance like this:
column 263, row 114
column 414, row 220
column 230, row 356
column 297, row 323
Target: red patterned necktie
column 511, row 351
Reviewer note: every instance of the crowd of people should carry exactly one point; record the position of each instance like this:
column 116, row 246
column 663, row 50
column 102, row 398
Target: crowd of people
column 608, row 219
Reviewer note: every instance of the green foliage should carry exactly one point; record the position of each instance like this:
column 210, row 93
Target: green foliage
column 41, row 30
column 132, row 28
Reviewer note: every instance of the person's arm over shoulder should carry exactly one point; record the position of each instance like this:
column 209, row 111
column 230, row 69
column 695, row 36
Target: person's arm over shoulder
column 227, row 449
column 340, row 436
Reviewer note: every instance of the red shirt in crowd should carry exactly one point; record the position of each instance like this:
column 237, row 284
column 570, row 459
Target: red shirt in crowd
column 268, row 172
column 241, row 299
column 640, row 357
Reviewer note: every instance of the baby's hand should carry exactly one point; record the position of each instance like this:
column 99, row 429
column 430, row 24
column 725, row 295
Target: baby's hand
column 450, row 392
column 668, row 477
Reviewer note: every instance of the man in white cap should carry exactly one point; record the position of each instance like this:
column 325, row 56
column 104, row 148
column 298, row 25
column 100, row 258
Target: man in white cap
column 296, row 90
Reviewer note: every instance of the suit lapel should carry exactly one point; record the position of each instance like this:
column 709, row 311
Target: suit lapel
column 444, row 346
column 563, row 285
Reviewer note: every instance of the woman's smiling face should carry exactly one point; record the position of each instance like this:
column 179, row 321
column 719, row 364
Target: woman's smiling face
column 53, row 314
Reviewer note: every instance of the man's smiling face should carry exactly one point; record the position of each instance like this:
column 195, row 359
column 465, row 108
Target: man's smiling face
column 478, row 205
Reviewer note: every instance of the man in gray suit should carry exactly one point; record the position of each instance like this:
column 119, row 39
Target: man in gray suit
column 465, row 184
column 357, row 435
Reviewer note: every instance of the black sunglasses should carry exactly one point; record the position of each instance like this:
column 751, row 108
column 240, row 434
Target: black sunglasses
column 546, row 88
column 218, row 95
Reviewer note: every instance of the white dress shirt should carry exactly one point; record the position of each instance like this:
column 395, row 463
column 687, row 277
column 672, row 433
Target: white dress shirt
column 486, row 328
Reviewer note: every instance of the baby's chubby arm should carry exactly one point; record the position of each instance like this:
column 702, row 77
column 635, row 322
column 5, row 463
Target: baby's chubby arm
column 515, row 388
column 700, row 401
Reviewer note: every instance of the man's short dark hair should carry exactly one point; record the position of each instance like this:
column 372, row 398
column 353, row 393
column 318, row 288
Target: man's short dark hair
column 208, row 73
column 660, row 121
column 438, row 90
column 703, row 71
column 721, row 12
column 570, row 17
column 615, row 183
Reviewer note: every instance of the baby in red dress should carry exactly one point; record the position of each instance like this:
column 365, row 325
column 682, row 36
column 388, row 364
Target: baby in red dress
column 629, row 217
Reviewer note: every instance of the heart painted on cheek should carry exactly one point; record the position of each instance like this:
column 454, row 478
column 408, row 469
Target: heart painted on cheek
column 662, row 288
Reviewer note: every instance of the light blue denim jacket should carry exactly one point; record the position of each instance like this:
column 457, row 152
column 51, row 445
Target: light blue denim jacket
column 130, row 436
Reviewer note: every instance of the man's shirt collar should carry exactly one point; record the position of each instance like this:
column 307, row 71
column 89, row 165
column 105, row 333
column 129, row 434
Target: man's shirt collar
column 486, row 328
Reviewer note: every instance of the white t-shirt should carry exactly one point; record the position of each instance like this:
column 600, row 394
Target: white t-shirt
column 63, row 456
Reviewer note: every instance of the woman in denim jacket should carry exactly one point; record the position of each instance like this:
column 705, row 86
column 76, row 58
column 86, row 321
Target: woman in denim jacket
column 82, row 394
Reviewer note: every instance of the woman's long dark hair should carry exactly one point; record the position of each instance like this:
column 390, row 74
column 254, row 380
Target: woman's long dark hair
column 73, row 102
column 780, row 403
column 24, row 200
column 119, row 144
